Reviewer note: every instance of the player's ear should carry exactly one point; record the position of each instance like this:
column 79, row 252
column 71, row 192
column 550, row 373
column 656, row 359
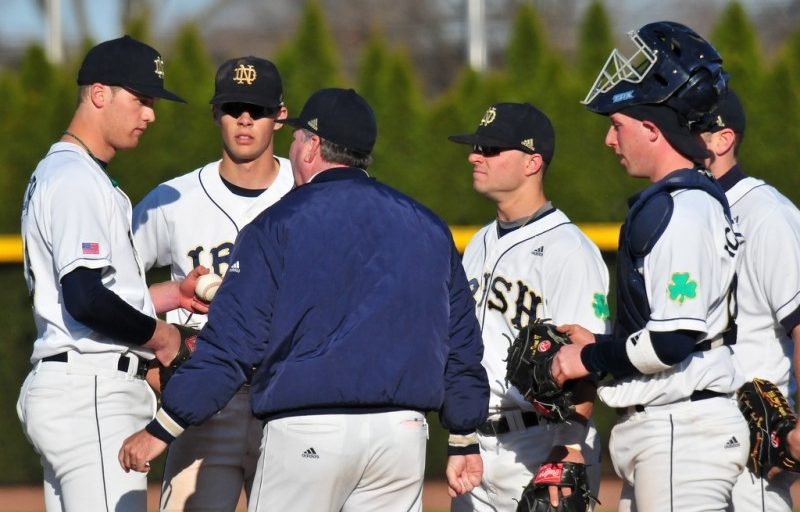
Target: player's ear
column 534, row 164
column 282, row 113
column 652, row 130
column 99, row 94
column 216, row 114
column 726, row 141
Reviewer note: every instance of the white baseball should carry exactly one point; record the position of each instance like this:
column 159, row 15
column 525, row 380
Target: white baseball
column 207, row 286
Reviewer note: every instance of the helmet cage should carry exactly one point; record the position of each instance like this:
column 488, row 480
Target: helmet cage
column 619, row 68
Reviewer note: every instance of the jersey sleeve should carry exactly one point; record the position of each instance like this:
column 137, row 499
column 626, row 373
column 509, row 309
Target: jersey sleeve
column 775, row 252
column 233, row 341
column 466, row 400
column 683, row 272
column 151, row 231
column 577, row 290
column 78, row 209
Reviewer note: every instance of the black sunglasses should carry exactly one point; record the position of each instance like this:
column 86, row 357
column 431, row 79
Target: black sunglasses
column 237, row 109
column 489, row 150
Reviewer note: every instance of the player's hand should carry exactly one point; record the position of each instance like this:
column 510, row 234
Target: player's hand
column 562, row 454
column 188, row 300
column 464, row 473
column 577, row 334
column 138, row 450
column 165, row 343
column 793, row 440
column 567, row 364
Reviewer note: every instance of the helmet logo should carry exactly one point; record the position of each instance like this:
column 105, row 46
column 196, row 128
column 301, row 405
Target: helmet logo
column 489, row 117
column 627, row 95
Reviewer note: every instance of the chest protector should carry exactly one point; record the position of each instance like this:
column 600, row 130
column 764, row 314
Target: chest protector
column 649, row 216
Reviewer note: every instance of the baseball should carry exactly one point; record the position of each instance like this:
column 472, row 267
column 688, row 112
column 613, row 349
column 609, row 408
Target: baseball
column 207, row 285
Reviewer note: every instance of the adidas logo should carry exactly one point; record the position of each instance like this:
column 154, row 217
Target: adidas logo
column 311, row 453
column 234, row 267
column 732, row 443
column 539, row 251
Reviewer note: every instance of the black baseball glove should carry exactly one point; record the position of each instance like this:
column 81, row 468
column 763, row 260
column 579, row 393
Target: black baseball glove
column 188, row 340
column 528, row 368
column 770, row 420
column 536, row 497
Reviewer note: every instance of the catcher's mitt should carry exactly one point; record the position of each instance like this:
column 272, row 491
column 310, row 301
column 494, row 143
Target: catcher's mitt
column 528, row 368
column 770, row 420
column 188, row 340
column 536, row 497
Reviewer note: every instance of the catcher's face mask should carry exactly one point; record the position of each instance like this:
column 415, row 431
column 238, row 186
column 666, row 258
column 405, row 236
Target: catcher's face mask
column 620, row 68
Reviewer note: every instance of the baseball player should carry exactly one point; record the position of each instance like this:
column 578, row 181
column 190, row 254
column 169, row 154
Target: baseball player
column 96, row 327
column 193, row 220
column 347, row 306
column 768, row 289
column 680, row 442
column 530, row 264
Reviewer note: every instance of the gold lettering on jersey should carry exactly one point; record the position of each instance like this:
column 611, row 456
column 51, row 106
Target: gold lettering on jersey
column 489, row 117
column 159, row 67
column 244, row 74
column 313, row 123
column 528, row 143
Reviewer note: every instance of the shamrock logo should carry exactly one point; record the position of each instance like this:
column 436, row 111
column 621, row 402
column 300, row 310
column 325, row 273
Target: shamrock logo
column 682, row 287
column 600, row 306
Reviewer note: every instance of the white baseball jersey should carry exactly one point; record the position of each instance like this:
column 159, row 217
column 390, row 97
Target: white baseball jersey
column 769, row 279
column 687, row 277
column 190, row 220
column 544, row 270
column 73, row 216
column 194, row 220
column 547, row 269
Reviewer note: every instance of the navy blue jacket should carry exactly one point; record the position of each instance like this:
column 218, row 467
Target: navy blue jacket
column 346, row 296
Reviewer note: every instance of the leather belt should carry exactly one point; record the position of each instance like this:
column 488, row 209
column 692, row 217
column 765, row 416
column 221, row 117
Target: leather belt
column 123, row 363
column 502, row 425
column 697, row 395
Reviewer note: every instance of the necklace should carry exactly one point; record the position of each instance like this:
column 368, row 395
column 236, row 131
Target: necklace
column 89, row 151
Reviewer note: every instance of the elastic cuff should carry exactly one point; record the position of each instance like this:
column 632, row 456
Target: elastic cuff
column 463, row 444
column 164, row 427
column 472, row 449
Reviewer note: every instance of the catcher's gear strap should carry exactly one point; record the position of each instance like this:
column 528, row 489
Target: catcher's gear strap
column 642, row 353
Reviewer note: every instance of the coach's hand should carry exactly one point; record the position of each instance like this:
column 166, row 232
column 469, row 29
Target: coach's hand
column 138, row 450
column 577, row 334
column 567, row 364
column 464, row 473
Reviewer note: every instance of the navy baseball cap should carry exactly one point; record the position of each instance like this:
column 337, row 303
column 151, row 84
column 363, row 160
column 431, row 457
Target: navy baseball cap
column 128, row 63
column 729, row 114
column 248, row 80
column 513, row 126
column 340, row 116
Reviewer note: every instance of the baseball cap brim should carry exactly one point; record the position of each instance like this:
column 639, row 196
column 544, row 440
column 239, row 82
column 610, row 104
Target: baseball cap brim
column 474, row 139
column 154, row 92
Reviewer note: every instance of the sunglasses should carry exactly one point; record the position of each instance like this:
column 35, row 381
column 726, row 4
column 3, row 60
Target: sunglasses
column 237, row 109
column 489, row 150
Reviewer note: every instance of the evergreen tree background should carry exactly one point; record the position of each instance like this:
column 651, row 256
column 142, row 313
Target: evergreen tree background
column 412, row 152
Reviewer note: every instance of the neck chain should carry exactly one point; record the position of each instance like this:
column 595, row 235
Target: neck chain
column 83, row 145
column 101, row 163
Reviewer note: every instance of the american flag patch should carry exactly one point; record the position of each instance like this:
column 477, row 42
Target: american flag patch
column 90, row 248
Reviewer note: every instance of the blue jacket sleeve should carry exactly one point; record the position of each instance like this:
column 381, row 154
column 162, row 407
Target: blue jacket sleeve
column 466, row 400
column 234, row 340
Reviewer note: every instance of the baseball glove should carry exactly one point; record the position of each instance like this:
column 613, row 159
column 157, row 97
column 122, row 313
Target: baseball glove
column 528, row 368
column 536, row 497
column 188, row 340
column 770, row 420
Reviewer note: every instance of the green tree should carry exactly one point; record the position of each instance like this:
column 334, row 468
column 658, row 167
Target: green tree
column 735, row 37
column 595, row 42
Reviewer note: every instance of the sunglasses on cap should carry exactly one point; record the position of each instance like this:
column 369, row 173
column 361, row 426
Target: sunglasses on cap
column 489, row 150
column 256, row 111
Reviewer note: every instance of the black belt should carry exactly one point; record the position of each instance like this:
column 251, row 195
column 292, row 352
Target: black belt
column 501, row 426
column 123, row 363
column 697, row 395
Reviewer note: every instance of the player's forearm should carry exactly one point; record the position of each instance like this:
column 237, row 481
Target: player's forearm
column 644, row 352
column 166, row 296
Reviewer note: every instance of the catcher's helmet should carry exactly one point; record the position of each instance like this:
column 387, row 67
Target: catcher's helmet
column 672, row 66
